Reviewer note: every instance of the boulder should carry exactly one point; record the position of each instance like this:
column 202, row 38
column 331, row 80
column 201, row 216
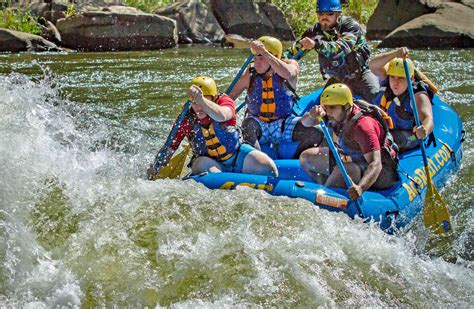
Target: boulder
column 469, row 3
column 16, row 41
column 195, row 21
column 50, row 32
column 278, row 20
column 391, row 14
column 49, row 11
column 245, row 18
column 120, row 9
column 107, row 31
column 452, row 25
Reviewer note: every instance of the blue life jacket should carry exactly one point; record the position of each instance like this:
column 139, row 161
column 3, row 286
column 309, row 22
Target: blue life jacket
column 399, row 107
column 216, row 140
column 269, row 99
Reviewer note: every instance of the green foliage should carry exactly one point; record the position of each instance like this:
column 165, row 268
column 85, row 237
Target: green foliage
column 361, row 9
column 71, row 10
column 301, row 14
column 148, row 5
column 19, row 20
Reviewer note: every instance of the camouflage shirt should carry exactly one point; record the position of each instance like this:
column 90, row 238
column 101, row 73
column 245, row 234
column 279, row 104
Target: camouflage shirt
column 342, row 50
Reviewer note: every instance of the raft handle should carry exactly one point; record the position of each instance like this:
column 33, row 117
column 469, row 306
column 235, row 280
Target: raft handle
column 463, row 136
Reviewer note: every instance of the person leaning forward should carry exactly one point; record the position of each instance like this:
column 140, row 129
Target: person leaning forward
column 342, row 50
column 210, row 127
column 270, row 83
column 395, row 99
column 364, row 143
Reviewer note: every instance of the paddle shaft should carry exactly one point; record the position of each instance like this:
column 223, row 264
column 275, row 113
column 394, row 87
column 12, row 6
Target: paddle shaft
column 335, row 153
column 299, row 54
column 436, row 216
column 239, row 75
column 415, row 110
column 162, row 154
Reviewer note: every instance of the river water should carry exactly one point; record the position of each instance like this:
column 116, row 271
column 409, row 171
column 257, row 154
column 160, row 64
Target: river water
column 81, row 227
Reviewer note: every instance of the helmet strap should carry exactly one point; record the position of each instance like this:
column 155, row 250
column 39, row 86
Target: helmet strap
column 347, row 110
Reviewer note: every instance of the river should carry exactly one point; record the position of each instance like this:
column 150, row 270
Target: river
column 80, row 226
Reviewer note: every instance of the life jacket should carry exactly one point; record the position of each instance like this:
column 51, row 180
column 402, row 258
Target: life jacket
column 399, row 107
column 342, row 66
column 350, row 148
column 215, row 140
column 269, row 99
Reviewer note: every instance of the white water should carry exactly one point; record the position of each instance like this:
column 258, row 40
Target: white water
column 81, row 227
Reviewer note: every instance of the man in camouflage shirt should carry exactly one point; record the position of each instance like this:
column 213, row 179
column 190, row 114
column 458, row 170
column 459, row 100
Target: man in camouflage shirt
column 342, row 49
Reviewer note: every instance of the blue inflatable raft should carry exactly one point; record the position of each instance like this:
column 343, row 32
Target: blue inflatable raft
column 393, row 208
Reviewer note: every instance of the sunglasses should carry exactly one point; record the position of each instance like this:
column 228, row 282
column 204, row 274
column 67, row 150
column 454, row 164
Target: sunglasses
column 327, row 13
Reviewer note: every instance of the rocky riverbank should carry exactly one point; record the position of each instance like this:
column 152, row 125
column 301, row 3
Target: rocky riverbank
column 109, row 25
column 423, row 23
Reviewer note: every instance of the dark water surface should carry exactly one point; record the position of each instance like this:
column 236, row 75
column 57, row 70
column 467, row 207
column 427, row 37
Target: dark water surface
column 80, row 226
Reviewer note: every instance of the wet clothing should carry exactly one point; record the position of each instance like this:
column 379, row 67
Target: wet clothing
column 186, row 129
column 400, row 110
column 363, row 134
column 214, row 140
column 280, row 130
column 344, row 56
column 236, row 163
column 219, row 141
column 269, row 99
column 269, row 117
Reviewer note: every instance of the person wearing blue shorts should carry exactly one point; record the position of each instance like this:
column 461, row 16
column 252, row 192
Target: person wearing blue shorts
column 270, row 83
column 210, row 127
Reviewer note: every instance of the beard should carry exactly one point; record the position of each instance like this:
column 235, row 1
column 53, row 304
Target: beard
column 325, row 26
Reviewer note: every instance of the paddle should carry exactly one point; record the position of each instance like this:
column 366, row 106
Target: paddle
column 335, row 153
column 237, row 77
column 175, row 165
column 435, row 214
column 164, row 150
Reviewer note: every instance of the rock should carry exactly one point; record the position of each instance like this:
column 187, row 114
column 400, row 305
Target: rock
column 196, row 23
column 16, row 41
column 469, row 3
column 278, row 20
column 106, row 31
column 245, row 18
column 452, row 25
column 49, row 11
column 120, row 9
column 50, row 32
column 391, row 14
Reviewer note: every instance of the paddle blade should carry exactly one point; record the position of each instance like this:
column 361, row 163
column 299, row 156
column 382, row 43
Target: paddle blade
column 436, row 215
column 176, row 164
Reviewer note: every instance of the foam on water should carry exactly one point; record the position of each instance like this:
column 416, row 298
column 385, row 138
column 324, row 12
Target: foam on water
column 81, row 227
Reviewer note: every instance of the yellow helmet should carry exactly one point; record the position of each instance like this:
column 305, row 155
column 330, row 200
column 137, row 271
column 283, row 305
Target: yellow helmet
column 337, row 94
column 395, row 67
column 273, row 46
column 207, row 84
